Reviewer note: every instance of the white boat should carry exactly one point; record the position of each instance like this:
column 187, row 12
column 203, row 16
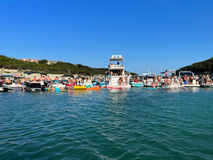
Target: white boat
column 191, row 79
column 2, row 88
column 171, row 78
column 137, row 84
column 209, row 85
column 14, row 85
column 150, row 80
column 33, row 87
column 116, row 74
column 174, row 86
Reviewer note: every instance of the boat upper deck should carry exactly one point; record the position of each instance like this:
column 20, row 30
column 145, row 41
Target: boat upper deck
column 116, row 67
column 116, row 62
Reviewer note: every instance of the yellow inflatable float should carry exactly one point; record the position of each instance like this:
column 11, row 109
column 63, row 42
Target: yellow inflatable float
column 79, row 87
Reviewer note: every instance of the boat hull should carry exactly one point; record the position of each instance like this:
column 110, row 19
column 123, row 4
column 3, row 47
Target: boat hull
column 136, row 84
column 118, row 87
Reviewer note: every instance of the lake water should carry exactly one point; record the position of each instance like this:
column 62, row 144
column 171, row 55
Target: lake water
column 133, row 124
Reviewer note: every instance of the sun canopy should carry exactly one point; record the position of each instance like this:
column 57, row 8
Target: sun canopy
column 116, row 58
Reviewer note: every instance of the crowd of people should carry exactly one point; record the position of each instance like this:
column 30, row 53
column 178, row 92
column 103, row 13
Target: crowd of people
column 52, row 83
column 175, row 80
column 59, row 83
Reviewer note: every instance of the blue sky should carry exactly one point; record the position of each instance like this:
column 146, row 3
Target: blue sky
column 151, row 34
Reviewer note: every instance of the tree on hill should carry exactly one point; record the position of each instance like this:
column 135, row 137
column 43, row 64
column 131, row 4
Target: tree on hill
column 42, row 66
column 43, row 61
column 200, row 67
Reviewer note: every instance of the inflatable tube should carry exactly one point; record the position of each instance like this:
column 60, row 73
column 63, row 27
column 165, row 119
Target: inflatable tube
column 93, row 89
column 57, row 89
column 79, row 87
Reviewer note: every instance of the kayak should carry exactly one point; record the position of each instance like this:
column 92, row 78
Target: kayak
column 79, row 87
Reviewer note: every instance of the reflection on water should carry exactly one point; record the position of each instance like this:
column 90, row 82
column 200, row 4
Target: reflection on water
column 77, row 93
column 116, row 96
column 192, row 89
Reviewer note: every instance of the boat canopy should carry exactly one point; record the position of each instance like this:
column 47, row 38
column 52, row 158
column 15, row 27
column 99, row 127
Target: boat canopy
column 187, row 73
column 148, row 74
column 116, row 58
column 116, row 62
column 8, row 75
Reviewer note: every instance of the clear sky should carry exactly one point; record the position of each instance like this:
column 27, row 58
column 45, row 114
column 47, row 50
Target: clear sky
column 151, row 34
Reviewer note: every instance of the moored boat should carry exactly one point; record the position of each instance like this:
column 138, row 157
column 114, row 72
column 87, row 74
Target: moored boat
column 150, row 80
column 137, row 84
column 207, row 85
column 116, row 74
column 189, row 79
column 34, row 87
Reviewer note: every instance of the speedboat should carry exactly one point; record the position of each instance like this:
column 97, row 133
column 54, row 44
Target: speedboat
column 189, row 79
column 2, row 88
column 170, row 79
column 34, row 87
column 150, row 80
column 116, row 74
column 6, row 87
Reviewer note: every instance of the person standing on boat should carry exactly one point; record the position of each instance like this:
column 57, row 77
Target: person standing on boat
column 185, row 79
column 23, row 80
column 126, row 80
column 165, row 81
column 34, row 79
column 69, row 81
column 175, row 80
column 120, row 82
column 180, row 81
column 8, row 81
column 49, row 80
column 56, row 79
column 197, row 79
column 158, row 80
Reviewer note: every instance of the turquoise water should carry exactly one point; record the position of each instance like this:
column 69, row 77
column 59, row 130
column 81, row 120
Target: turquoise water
column 133, row 124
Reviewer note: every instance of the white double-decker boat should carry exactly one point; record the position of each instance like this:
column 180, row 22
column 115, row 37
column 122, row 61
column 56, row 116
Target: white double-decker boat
column 116, row 74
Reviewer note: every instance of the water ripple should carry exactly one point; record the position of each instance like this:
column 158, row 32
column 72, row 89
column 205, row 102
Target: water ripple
column 132, row 124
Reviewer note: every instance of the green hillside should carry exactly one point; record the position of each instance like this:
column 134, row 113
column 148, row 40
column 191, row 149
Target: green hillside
column 200, row 67
column 59, row 68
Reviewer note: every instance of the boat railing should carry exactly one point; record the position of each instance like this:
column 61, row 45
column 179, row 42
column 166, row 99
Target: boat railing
column 113, row 66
